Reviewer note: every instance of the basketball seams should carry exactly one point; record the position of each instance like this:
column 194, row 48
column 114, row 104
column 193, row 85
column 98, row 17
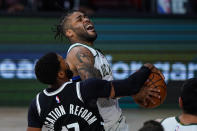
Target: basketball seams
column 155, row 80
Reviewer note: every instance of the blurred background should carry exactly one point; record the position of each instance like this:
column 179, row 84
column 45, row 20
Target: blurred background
column 130, row 33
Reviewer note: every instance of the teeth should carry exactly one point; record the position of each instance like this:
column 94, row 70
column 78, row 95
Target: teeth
column 89, row 26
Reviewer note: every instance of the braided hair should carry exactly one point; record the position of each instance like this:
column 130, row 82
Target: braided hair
column 63, row 25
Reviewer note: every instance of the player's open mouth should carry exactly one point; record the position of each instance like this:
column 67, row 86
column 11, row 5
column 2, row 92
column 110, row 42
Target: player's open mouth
column 89, row 27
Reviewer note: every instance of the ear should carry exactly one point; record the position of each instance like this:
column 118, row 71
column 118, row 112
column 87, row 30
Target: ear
column 180, row 103
column 69, row 33
column 61, row 74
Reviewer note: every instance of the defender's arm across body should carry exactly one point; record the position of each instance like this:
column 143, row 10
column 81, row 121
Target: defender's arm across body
column 95, row 88
column 81, row 62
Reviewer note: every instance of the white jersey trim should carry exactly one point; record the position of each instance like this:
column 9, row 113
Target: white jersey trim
column 79, row 44
column 38, row 104
column 78, row 91
column 56, row 91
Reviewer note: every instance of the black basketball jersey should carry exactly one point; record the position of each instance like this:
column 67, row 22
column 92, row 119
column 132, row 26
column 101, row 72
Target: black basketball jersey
column 64, row 110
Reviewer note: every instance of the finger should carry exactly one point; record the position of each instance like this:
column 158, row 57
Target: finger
column 154, row 94
column 149, row 100
column 148, row 82
column 149, row 65
column 145, row 102
column 154, row 90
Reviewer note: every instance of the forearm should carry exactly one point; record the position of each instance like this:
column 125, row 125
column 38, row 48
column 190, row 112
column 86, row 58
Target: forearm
column 132, row 84
column 94, row 88
column 97, row 88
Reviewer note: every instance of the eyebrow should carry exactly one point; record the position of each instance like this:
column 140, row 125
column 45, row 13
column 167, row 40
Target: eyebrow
column 81, row 15
column 78, row 16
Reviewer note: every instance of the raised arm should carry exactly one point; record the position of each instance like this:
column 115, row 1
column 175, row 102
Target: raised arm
column 81, row 62
column 95, row 88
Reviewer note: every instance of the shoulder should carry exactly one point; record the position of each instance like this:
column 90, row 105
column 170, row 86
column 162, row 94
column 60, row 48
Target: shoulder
column 78, row 53
column 168, row 120
column 78, row 48
column 32, row 107
column 33, row 103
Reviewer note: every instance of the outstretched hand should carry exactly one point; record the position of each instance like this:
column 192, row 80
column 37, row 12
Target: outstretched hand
column 144, row 96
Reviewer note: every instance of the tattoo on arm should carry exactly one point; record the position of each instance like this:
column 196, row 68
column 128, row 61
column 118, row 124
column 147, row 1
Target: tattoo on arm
column 89, row 72
column 82, row 57
column 86, row 67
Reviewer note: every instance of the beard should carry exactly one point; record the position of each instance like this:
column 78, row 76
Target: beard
column 88, row 37
column 85, row 36
column 69, row 73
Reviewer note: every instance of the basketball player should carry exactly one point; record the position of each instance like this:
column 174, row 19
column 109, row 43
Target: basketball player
column 64, row 106
column 86, row 62
column 187, row 121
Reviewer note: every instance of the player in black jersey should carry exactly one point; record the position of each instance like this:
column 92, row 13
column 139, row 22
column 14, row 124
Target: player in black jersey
column 64, row 106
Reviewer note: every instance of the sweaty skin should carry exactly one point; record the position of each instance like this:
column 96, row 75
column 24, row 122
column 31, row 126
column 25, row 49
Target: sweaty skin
column 81, row 62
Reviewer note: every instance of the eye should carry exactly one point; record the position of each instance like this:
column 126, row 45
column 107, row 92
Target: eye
column 79, row 19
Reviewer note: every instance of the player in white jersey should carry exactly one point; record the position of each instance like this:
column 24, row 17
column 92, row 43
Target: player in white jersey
column 187, row 121
column 174, row 124
column 87, row 62
column 108, row 108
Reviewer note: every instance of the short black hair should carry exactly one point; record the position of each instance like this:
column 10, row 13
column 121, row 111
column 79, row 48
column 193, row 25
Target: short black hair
column 152, row 125
column 63, row 25
column 189, row 96
column 47, row 68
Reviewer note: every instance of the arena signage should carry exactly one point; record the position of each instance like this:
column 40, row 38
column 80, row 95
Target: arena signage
column 24, row 69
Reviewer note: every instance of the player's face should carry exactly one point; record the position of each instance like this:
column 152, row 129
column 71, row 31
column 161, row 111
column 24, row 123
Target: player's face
column 82, row 27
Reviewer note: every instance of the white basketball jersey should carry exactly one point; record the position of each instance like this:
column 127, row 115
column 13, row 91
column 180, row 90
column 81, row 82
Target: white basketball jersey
column 108, row 108
column 173, row 124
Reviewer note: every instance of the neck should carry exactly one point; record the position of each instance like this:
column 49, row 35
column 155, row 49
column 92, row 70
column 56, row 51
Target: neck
column 83, row 42
column 188, row 118
column 57, row 85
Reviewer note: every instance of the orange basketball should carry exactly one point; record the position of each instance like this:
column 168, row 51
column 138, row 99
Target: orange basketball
column 155, row 80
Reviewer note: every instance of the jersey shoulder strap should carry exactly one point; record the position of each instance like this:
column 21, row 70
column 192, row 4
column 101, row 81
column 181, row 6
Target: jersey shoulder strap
column 79, row 44
column 79, row 91
column 38, row 104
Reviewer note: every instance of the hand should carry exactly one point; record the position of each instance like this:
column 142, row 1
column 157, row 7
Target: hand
column 144, row 96
column 154, row 69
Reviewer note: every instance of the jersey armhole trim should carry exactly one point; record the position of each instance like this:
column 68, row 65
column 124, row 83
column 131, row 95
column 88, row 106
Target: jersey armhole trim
column 163, row 120
column 92, row 50
column 38, row 104
column 78, row 91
